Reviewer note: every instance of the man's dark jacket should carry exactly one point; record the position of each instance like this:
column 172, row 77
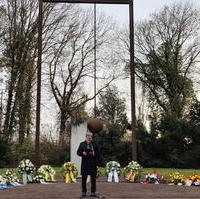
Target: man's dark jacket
column 89, row 162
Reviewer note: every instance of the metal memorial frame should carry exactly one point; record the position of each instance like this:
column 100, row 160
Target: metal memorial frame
column 132, row 68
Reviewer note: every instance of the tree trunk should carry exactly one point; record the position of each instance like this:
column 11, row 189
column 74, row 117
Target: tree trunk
column 9, row 104
column 24, row 98
column 22, row 128
column 1, row 112
column 64, row 134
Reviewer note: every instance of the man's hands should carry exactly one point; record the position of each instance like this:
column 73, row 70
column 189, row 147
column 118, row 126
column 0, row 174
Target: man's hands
column 90, row 153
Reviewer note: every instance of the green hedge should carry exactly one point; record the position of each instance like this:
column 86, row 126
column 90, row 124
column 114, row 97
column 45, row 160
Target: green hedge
column 102, row 171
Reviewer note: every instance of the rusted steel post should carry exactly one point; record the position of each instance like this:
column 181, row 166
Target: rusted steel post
column 132, row 71
column 39, row 71
column 95, row 59
column 132, row 67
column 90, row 1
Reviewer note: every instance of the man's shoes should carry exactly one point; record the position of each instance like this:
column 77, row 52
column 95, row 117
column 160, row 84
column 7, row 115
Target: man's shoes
column 94, row 195
column 83, row 195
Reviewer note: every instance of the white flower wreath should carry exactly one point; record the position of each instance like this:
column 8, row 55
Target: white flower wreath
column 113, row 165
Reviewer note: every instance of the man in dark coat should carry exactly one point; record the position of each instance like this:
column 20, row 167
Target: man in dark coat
column 89, row 152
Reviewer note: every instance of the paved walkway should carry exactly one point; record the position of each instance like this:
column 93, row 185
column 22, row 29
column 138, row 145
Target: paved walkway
column 110, row 190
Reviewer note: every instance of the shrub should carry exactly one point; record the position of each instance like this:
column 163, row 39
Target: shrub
column 4, row 152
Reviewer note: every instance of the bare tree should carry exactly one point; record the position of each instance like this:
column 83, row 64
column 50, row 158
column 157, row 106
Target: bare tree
column 71, row 63
column 19, row 58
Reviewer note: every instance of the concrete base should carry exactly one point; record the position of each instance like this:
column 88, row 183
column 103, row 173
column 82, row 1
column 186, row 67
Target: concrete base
column 77, row 135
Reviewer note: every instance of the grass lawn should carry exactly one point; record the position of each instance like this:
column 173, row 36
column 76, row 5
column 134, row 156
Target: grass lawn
column 164, row 171
column 167, row 171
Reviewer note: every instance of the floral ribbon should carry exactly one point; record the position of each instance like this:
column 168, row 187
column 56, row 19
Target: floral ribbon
column 3, row 186
column 113, row 175
column 131, row 176
column 49, row 177
column 26, row 178
column 69, row 177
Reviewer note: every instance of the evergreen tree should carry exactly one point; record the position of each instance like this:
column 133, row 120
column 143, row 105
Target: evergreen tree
column 112, row 109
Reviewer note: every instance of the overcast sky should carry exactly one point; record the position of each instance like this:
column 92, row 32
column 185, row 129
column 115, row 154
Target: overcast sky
column 142, row 9
column 120, row 13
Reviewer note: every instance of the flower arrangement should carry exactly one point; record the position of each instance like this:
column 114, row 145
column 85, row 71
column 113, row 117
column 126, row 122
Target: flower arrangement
column 38, row 179
column 133, row 166
column 70, row 172
column 3, row 181
column 155, row 178
column 113, row 170
column 192, row 180
column 48, row 173
column 26, row 166
column 113, row 166
column 176, row 178
column 11, row 177
column 133, row 171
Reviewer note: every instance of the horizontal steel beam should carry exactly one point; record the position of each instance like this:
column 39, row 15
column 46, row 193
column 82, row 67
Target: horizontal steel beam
column 90, row 1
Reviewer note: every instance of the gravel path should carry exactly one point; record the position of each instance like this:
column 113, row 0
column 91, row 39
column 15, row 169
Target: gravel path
column 112, row 191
